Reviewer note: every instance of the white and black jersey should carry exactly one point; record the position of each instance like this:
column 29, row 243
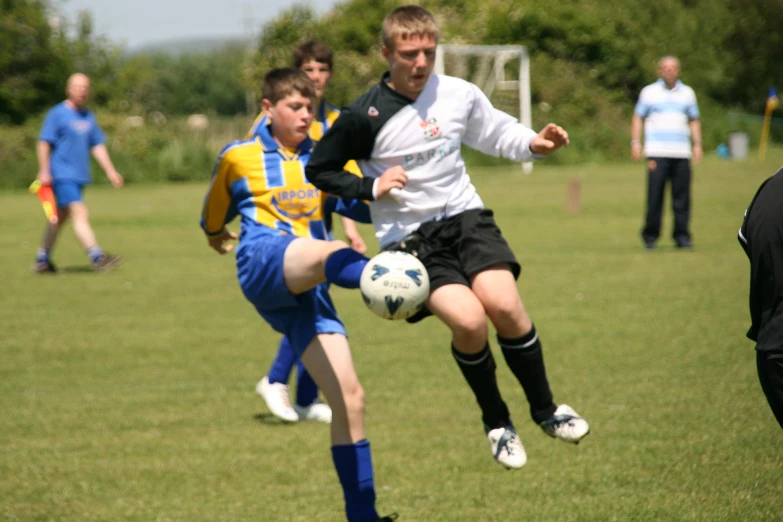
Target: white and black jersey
column 383, row 129
column 761, row 236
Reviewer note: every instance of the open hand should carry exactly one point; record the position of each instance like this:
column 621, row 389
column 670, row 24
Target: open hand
column 551, row 138
column 393, row 178
column 220, row 243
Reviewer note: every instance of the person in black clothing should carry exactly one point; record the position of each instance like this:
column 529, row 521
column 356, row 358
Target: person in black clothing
column 761, row 236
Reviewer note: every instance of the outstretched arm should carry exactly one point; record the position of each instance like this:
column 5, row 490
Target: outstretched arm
column 551, row 138
column 101, row 155
column 348, row 139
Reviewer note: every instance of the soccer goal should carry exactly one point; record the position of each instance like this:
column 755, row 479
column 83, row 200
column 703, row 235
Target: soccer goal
column 501, row 71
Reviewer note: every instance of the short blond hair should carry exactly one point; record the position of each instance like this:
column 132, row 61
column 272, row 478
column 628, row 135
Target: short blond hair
column 406, row 21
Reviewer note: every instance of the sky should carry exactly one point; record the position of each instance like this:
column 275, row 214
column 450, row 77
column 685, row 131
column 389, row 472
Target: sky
column 138, row 23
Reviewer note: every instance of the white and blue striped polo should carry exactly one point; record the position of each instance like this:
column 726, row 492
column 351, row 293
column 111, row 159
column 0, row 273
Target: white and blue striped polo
column 667, row 113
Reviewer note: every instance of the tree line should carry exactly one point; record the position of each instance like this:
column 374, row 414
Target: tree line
column 589, row 59
column 39, row 50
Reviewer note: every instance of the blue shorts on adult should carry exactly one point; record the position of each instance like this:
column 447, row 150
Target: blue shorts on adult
column 300, row 317
column 67, row 192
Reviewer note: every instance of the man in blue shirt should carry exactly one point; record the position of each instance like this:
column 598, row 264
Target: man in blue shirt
column 68, row 136
column 670, row 114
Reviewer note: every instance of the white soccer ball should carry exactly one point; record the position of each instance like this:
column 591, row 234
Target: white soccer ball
column 394, row 285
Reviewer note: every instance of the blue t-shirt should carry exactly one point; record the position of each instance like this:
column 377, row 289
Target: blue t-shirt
column 72, row 134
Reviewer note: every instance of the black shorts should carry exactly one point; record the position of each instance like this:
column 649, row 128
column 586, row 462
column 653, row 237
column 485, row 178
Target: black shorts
column 454, row 249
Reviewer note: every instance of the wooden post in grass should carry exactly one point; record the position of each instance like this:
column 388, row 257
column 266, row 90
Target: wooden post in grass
column 574, row 195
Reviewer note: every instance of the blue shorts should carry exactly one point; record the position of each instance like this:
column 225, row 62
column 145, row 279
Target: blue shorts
column 299, row 317
column 67, row 192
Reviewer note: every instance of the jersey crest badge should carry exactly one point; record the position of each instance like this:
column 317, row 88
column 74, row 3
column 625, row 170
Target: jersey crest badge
column 372, row 112
column 81, row 126
column 431, row 129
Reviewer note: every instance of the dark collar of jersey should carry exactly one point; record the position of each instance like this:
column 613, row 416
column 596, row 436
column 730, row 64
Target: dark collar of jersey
column 385, row 85
column 269, row 143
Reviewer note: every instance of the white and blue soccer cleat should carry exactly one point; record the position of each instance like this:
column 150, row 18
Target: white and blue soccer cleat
column 315, row 412
column 506, row 447
column 566, row 425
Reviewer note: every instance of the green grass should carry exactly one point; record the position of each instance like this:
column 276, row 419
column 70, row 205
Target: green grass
column 128, row 396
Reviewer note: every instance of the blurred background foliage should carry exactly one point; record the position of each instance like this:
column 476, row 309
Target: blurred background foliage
column 589, row 60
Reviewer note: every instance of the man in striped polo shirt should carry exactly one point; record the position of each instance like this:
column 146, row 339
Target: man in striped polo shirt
column 671, row 124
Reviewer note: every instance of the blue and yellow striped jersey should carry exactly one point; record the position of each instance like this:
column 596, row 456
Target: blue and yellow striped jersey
column 265, row 184
column 324, row 118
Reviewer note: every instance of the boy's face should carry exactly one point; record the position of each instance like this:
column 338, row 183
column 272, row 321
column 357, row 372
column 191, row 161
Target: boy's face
column 320, row 73
column 410, row 63
column 290, row 118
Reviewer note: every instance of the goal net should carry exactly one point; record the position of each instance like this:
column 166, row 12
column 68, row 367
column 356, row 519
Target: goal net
column 501, row 71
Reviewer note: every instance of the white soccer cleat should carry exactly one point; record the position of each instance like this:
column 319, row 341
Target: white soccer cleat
column 566, row 425
column 506, row 447
column 316, row 412
column 277, row 399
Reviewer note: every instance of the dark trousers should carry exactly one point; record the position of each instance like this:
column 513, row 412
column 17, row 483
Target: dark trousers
column 770, row 368
column 659, row 171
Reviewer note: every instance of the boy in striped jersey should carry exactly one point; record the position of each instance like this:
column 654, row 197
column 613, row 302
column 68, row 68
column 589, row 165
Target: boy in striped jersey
column 284, row 261
column 316, row 60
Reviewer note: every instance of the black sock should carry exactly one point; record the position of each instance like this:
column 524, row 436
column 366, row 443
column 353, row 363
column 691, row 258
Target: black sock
column 526, row 360
column 479, row 371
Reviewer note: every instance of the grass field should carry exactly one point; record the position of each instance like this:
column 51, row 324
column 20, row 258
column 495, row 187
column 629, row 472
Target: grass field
column 128, row 396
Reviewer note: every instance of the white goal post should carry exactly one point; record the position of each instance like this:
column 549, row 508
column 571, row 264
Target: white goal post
column 489, row 74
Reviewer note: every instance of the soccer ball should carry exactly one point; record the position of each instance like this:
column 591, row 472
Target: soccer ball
column 394, row 285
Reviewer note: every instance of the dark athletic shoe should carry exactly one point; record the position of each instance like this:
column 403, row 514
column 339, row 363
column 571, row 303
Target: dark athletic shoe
column 106, row 262
column 44, row 267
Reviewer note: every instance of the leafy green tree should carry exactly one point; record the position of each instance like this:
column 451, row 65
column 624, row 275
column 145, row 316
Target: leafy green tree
column 194, row 83
column 34, row 60
column 753, row 51
column 95, row 56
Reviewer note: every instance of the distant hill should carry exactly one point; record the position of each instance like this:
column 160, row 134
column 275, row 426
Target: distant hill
column 189, row 46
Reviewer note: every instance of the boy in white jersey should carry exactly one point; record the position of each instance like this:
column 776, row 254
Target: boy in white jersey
column 284, row 261
column 406, row 134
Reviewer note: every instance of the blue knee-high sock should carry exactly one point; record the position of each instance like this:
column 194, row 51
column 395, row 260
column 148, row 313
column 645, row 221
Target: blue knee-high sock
column 344, row 268
column 353, row 463
column 283, row 363
column 306, row 389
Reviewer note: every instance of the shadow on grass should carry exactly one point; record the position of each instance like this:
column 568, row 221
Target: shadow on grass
column 75, row 269
column 268, row 418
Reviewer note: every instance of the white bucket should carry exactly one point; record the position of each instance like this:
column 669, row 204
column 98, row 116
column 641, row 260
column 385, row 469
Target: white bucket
column 738, row 145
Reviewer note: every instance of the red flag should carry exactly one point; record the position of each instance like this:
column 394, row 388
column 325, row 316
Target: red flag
column 46, row 195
